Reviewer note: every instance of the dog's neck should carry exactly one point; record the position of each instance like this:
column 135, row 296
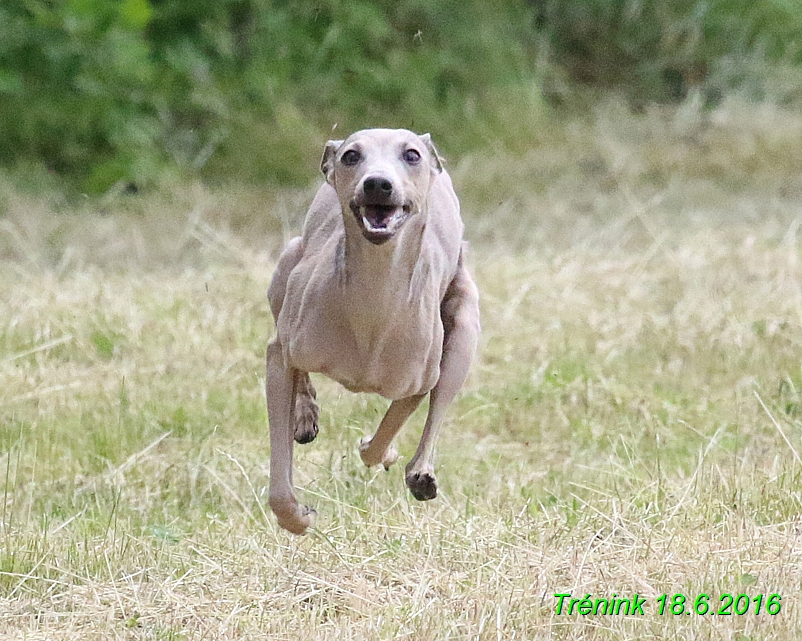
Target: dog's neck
column 365, row 265
column 378, row 282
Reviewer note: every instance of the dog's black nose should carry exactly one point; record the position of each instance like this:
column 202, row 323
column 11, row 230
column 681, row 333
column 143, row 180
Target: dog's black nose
column 377, row 186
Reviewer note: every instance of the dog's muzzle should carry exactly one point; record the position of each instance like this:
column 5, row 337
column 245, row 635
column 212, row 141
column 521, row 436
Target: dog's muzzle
column 380, row 222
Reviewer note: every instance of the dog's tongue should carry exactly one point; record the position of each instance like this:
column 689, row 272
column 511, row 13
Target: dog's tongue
column 377, row 216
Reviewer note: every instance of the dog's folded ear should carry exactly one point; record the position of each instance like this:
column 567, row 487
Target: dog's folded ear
column 437, row 162
column 327, row 162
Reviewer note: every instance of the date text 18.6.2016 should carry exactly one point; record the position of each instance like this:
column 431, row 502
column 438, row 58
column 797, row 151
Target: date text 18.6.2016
column 675, row 604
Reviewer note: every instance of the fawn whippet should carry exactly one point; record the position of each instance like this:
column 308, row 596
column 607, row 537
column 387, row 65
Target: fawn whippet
column 375, row 295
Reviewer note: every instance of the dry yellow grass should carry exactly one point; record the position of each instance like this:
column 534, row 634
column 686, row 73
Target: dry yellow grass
column 632, row 425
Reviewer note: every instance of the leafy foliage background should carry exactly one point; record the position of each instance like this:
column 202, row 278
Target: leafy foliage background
column 103, row 91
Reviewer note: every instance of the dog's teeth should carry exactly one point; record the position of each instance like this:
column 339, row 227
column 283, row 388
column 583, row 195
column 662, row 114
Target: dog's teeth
column 362, row 211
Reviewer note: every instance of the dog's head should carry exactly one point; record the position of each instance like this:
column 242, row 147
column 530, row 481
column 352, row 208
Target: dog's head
column 382, row 178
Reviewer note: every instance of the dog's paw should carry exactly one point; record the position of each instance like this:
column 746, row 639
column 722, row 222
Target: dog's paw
column 371, row 458
column 306, row 415
column 295, row 518
column 423, row 485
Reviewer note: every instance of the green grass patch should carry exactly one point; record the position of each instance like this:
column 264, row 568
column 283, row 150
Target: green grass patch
column 631, row 424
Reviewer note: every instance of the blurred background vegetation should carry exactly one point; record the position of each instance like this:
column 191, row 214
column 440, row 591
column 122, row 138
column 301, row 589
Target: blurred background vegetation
column 98, row 93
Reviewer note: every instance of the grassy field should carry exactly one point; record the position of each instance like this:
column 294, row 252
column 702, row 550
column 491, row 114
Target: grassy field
column 633, row 424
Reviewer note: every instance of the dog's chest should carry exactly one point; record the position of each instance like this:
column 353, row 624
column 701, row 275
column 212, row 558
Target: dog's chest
column 369, row 340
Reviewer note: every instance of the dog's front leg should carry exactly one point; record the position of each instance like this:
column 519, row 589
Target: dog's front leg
column 460, row 315
column 378, row 448
column 281, row 391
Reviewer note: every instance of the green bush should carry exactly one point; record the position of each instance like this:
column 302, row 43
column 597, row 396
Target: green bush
column 659, row 50
column 118, row 90
column 74, row 82
column 452, row 68
column 109, row 92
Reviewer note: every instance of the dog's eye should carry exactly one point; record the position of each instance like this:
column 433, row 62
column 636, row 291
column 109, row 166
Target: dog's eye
column 412, row 156
column 351, row 157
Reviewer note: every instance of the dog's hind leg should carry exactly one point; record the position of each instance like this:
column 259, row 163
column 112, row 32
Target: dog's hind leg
column 306, row 411
column 378, row 448
column 460, row 313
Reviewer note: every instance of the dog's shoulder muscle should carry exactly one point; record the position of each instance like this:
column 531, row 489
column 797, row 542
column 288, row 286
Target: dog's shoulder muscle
column 442, row 241
column 323, row 220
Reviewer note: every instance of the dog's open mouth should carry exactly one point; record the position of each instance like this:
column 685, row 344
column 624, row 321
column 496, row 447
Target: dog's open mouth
column 379, row 223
